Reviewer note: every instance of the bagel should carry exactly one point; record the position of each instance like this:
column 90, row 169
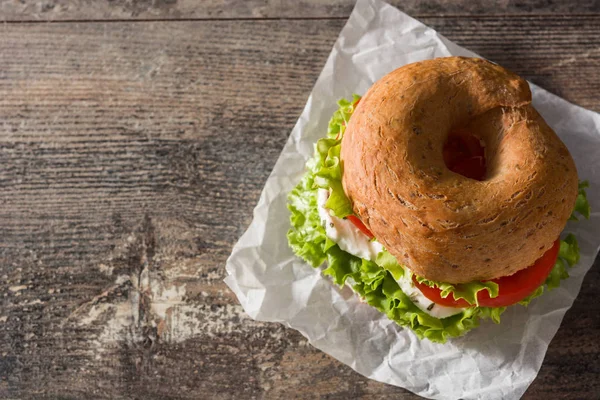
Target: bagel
column 441, row 225
column 440, row 197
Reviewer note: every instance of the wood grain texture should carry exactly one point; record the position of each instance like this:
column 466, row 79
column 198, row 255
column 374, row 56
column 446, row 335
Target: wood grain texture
column 132, row 154
column 61, row 10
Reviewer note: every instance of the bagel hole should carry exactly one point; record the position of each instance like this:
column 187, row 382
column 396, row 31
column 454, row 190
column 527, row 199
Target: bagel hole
column 464, row 154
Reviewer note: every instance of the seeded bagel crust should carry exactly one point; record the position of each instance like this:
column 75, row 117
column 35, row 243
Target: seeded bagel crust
column 442, row 225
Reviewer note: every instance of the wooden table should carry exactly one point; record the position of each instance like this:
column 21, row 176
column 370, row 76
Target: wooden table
column 135, row 138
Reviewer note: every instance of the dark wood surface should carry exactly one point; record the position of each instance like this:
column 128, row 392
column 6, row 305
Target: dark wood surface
column 135, row 138
column 86, row 10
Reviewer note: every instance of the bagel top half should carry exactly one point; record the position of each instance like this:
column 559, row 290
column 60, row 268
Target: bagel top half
column 442, row 225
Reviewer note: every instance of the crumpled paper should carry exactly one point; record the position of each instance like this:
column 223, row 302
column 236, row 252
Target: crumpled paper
column 272, row 284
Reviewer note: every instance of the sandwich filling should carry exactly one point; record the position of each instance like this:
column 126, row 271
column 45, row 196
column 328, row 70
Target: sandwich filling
column 351, row 239
column 326, row 231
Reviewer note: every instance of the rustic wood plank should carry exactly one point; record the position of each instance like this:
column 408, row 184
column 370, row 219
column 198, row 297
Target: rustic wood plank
column 61, row 10
column 132, row 155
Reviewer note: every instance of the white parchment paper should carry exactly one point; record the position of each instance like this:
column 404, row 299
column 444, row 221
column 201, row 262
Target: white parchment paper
column 491, row 362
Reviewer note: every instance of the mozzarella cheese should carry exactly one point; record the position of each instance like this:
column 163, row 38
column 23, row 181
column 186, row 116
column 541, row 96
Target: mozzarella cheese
column 350, row 239
column 345, row 233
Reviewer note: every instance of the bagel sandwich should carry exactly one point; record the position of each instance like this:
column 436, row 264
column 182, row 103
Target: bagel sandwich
column 440, row 197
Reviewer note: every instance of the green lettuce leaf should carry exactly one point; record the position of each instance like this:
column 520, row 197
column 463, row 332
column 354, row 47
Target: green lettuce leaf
column 569, row 250
column 307, row 237
column 466, row 291
column 378, row 287
column 388, row 262
column 568, row 255
column 536, row 293
column 582, row 206
column 328, row 175
column 337, row 123
column 557, row 274
column 328, row 168
column 341, row 265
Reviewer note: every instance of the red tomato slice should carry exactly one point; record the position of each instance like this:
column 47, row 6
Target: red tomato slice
column 511, row 289
column 470, row 142
column 454, row 151
column 472, row 167
column 464, row 154
column 358, row 223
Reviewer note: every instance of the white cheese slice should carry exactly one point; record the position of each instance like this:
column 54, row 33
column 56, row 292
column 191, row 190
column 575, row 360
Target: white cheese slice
column 345, row 233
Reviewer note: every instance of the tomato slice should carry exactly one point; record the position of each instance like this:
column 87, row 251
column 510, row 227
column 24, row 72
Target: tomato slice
column 471, row 142
column 472, row 167
column 358, row 223
column 464, row 154
column 511, row 289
